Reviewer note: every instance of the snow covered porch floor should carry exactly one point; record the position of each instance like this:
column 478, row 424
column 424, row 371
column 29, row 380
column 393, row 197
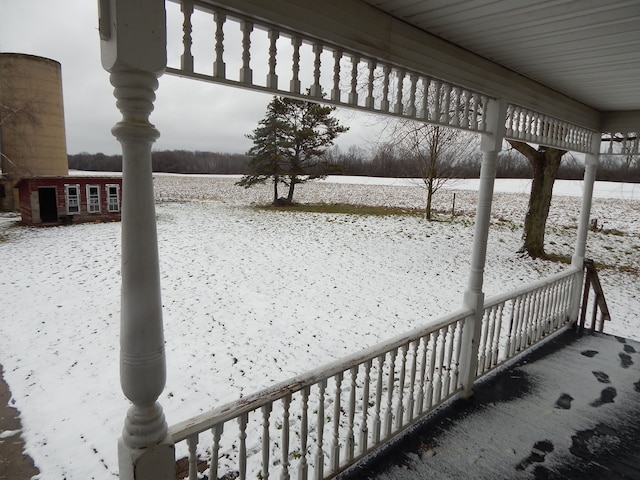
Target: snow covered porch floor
column 568, row 410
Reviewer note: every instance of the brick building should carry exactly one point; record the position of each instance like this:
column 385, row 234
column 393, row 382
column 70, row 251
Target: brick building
column 60, row 200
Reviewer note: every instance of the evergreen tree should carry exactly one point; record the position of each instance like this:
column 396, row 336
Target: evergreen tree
column 290, row 143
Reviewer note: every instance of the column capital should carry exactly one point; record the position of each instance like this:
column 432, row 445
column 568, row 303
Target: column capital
column 495, row 121
column 133, row 35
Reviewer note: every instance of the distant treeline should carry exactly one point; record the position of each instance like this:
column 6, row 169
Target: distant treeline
column 356, row 161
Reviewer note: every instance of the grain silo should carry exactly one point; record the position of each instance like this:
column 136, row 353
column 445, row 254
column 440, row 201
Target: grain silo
column 32, row 133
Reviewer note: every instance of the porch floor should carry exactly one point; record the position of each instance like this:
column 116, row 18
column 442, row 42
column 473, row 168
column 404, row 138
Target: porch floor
column 568, row 410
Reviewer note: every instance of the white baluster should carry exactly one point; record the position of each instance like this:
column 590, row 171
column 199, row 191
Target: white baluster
column 412, row 378
column 458, row 334
column 335, row 91
column 403, row 373
column 446, row 104
column 215, row 450
column 482, row 348
column 266, row 440
column 390, row 387
column 370, row 100
column 465, row 109
column 316, row 88
column 455, row 108
column 246, row 74
column 319, row 460
column 294, row 85
column 378, row 403
column 424, row 110
column 272, row 77
column 192, row 443
column 186, row 60
column 384, row 105
column 446, row 383
column 303, row 468
column 432, row 371
column 350, row 447
column 242, row 454
column 440, row 366
column 364, row 430
column 423, row 368
column 411, row 108
column 286, row 402
column 219, row 69
column 335, row 444
column 496, row 344
column 398, row 108
column 436, row 101
column 353, row 95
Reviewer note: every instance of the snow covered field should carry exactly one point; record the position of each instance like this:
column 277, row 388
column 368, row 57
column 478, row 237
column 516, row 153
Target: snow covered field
column 252, row 297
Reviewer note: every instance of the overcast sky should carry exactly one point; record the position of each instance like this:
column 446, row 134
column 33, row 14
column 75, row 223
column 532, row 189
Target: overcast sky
column 190, row 115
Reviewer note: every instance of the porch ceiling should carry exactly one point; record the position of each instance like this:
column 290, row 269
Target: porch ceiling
column 588, row 50
column 577, row 60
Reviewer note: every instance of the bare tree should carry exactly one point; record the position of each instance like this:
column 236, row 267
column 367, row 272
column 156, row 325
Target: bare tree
column 435, row 150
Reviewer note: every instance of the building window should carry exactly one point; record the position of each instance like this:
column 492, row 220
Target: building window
column 73, row 198
column 113, row 198
column 93, row 198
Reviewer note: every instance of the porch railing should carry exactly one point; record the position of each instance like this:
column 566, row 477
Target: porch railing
column 316, row 425
column 519, row 319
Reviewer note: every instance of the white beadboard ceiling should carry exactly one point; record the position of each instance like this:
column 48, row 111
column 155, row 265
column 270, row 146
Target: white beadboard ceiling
column 588, row 50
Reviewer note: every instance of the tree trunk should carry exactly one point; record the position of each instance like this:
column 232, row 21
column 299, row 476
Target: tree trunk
column 545, row 163
column 276, row 179
column 429, row 198
column 292, row 186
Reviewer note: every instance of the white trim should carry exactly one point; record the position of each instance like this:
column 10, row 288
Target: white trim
column 111, row 197
column 90, row 204
column 68, row 199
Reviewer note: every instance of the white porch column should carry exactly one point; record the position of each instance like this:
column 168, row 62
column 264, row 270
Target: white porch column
column 590, row 166
column 133, row 47
column 491, row 145
column 591, row 163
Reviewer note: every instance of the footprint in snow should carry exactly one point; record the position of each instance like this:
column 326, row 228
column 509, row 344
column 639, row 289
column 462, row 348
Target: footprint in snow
column 606, row 396
column 637, row 385
column 621, row 339
column 564, row 401
column 538, row 453
column 601, row 377
column 589, row 353
column 629, row 349
column 625, row 360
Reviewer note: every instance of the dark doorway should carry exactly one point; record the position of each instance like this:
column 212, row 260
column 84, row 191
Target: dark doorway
column 48, row 204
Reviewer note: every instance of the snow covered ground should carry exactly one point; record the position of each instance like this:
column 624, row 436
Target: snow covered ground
column 252, row 297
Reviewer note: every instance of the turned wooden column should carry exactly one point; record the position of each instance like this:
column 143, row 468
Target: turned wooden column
column 491, row 145
column 133, row 47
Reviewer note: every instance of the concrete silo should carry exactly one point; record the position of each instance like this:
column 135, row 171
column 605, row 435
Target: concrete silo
column 32, row 132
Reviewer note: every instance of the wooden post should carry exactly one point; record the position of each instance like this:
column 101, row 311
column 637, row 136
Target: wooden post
column 133, row 48
column 474, row 296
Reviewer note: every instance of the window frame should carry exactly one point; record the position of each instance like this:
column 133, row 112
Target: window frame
column 93, row 207
column 110, row 197
column 69, row 198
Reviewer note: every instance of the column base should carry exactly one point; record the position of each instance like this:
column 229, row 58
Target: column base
column 152, row 463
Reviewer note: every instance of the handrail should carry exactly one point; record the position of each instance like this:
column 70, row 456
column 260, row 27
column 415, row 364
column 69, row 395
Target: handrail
column 543, row 282
column 599, row 301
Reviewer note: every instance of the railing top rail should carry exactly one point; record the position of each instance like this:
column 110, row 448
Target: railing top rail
column 503, row 297
column 207, row 420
